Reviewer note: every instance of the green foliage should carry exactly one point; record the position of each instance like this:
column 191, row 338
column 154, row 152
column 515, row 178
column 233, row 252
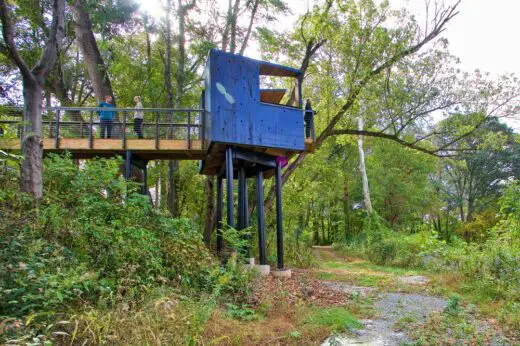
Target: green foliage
column 453, row 306
column 241, row 313
column 508, row 228
column 459, row 324
column 87, row 242
column 93, row 250
column 478, row 230
column 337, row 319
column 399, row 182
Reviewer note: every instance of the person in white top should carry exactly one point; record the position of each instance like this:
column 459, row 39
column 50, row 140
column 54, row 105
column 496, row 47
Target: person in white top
column 138, row 117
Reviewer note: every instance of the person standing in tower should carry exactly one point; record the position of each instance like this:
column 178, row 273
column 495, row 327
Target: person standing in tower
column 309, row 120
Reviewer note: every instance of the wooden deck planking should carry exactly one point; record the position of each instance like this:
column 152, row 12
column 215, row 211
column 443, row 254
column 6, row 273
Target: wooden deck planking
column 79, row 147
column 145, row 148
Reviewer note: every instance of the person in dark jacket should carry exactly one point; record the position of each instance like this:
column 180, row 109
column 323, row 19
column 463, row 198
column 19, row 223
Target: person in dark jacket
column 309, row 120
column 106, row 118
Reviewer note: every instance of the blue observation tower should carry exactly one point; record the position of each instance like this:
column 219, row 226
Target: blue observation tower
column 250, row 131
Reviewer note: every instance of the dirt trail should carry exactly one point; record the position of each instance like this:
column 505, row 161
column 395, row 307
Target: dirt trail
column 393, row 308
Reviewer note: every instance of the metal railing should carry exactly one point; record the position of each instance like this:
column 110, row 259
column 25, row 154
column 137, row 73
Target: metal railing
column 75, row 122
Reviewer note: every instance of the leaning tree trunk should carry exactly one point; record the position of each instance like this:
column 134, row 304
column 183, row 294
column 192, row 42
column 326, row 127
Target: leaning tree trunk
column 96, row 68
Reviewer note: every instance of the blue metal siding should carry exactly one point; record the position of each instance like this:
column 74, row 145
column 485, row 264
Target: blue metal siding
column 207, row 101
column 235, row 112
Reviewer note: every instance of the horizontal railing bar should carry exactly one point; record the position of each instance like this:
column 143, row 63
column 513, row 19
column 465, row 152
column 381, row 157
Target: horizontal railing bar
column 111, row 109
column 106, row 109
column 97, row 123
column 101, row 109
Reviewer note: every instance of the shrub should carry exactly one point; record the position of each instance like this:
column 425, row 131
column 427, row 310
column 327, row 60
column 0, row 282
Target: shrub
column 87, row 242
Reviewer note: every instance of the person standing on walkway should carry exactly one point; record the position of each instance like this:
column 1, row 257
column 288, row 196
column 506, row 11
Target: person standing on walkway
column 309, row 120
column 106, row 118
column 138, row 117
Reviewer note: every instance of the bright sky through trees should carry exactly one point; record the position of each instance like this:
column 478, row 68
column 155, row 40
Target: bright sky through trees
column 482, row 35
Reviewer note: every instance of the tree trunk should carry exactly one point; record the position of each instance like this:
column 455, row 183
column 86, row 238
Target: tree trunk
column 233, row 27
column 461, row 210
column 322, row 225
column 471, row 199
column 32, row 144
column 171, row 201
column 362, row 169
column 33, row 81
column 96, row 68
column 225, row 33
column 250, row 27
column 346, row 206
column 471, row 208
column 209, row 220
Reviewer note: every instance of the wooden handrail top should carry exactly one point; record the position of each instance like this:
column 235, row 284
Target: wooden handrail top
column 104, row 109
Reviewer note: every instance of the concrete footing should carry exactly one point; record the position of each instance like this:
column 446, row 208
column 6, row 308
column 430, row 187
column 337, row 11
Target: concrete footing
column 263, row 269
column 283, row 273
column 249, row 265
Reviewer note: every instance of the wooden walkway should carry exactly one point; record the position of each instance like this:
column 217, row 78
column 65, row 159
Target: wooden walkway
column 169, row 134
column 146, row 148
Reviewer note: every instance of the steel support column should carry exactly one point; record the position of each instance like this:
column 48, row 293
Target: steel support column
column 229, row 187
column 128, row 164
column 260, row 212
column 246, row 205
column 242, row 204
column 240, row 214
column 145, row 179
column 279, row 219
column 220, row 205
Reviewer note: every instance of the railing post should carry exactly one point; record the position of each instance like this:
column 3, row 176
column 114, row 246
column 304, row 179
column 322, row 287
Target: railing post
column 202, row 129
column 202, row 122
column 313, row 129
column 91, row 130
column 171, row 120
column 57, row 135
column 189, row 130
column 124, row 130
column 156, row 130
column 81, row 128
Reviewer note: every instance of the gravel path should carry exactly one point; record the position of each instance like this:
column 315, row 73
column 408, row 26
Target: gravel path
column 391, row 308
column 395, row 310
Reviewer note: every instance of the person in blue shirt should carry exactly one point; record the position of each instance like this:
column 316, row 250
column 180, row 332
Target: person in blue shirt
column 106, row 118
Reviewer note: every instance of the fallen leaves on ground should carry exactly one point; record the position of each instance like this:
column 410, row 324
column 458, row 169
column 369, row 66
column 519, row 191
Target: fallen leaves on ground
column 300, row 286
